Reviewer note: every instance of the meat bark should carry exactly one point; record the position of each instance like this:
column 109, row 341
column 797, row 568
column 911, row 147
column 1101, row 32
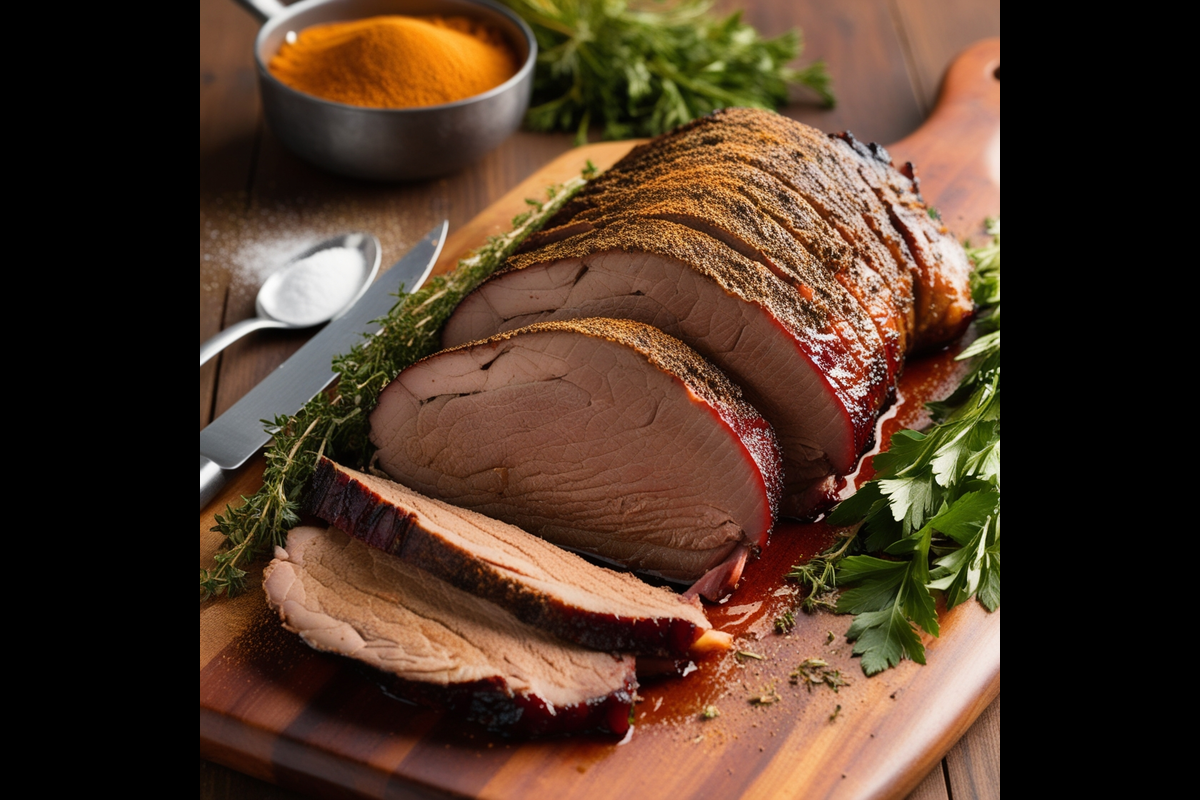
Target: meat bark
column 439, row 645
column 792, row 364
column 743, row 210
column 872, row 275
column 603, row 436
column 539, row 583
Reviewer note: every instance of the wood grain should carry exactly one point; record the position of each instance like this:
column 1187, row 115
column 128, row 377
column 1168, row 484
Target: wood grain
column 933, row 32
column 276, row 710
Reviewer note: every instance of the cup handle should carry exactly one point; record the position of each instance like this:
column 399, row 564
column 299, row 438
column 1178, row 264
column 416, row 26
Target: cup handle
column 262, row 10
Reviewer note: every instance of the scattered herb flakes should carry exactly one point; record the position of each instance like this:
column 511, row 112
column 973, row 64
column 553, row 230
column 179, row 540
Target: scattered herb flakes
column 829, row 637
column 744, row 654
column 834, row 715
column 817, row 672
column 818, row 577
column 710, row 712
column 785, row 622
column 768, row 696
column 335, row 423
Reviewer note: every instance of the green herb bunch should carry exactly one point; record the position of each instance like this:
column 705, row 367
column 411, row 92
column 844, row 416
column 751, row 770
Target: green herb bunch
column 934, row 506
column 640, row 69
column 335, row 424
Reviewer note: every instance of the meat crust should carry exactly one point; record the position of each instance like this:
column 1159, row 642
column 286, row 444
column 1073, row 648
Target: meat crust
column 831, row 243
column 539, row 583
column 604, row 436
column 439, row 645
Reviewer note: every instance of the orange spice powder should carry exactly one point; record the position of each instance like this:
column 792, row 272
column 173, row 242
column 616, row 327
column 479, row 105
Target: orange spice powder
column 396, row 61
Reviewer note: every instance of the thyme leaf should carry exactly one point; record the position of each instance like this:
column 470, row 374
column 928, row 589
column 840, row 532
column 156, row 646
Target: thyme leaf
column 817, row 672
column 334, row 423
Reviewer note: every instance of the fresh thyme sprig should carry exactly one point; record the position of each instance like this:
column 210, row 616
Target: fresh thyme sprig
column 933, row 507
column 335, row 423
column 639, row 69
column 818, row 576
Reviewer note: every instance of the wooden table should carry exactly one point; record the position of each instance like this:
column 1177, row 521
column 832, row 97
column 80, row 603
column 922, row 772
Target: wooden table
column 258, row 204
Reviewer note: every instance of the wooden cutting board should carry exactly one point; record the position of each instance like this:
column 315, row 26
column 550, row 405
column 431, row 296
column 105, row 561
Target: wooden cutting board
column 275, row 709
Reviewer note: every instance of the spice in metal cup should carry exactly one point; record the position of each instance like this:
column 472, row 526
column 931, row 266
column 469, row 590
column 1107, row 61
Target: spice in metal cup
column 396, row 61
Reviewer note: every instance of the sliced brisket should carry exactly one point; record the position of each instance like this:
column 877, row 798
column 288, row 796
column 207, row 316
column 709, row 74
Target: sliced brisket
column 871, row 277
column 603, row 436
column 735, row 312
column 539, row 583
column 440, row 645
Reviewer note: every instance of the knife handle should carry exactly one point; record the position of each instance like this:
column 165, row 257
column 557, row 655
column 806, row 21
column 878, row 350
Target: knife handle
column 212, row 478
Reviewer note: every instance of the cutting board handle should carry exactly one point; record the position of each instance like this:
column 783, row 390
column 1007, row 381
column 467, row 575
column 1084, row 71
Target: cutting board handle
column 956, row 151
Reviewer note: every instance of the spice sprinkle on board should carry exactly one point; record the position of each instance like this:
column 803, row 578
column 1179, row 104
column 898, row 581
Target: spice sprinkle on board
column 396, row 61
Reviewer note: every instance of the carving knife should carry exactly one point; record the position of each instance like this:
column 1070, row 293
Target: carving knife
column 230, row 440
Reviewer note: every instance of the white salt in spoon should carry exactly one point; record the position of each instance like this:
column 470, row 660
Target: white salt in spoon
column 310, row 289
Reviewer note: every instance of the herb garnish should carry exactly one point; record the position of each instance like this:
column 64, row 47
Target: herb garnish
column 335, row 424
column 817, row 672
column 933, row 507
column 640, row 72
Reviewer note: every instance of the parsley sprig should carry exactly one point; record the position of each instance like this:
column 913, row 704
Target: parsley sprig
column 641, row 68
column 933, row 508
column 335, row 424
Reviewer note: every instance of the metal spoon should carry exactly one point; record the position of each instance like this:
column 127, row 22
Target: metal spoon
column 272, row 303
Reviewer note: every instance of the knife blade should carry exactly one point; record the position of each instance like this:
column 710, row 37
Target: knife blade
column 230, row 440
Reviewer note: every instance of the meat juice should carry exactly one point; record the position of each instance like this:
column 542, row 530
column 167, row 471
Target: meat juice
column 728, row 681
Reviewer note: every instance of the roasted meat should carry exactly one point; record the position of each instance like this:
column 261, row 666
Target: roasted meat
column 539, row 583
column 440, row 645
column 603, row 436
column 804, row 266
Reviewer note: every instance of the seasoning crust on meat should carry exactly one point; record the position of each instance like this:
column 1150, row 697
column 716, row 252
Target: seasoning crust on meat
column 802, row 265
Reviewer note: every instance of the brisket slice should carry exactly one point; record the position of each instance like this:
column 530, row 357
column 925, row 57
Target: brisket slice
column 854, row 187
column 735, row 204
column 603, row 436
column 440, row 645
column 539, row 583
column 735, row 312
column 890, row 205
column 808, row 170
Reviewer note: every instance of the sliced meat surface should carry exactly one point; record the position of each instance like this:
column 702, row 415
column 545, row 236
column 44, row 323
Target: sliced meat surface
column 873, row 276
column 603, row 436
column 539, row 583
column 440, row 645
column 734, row 204
column 793, row 367
column 853, row 186
column 850, row 177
